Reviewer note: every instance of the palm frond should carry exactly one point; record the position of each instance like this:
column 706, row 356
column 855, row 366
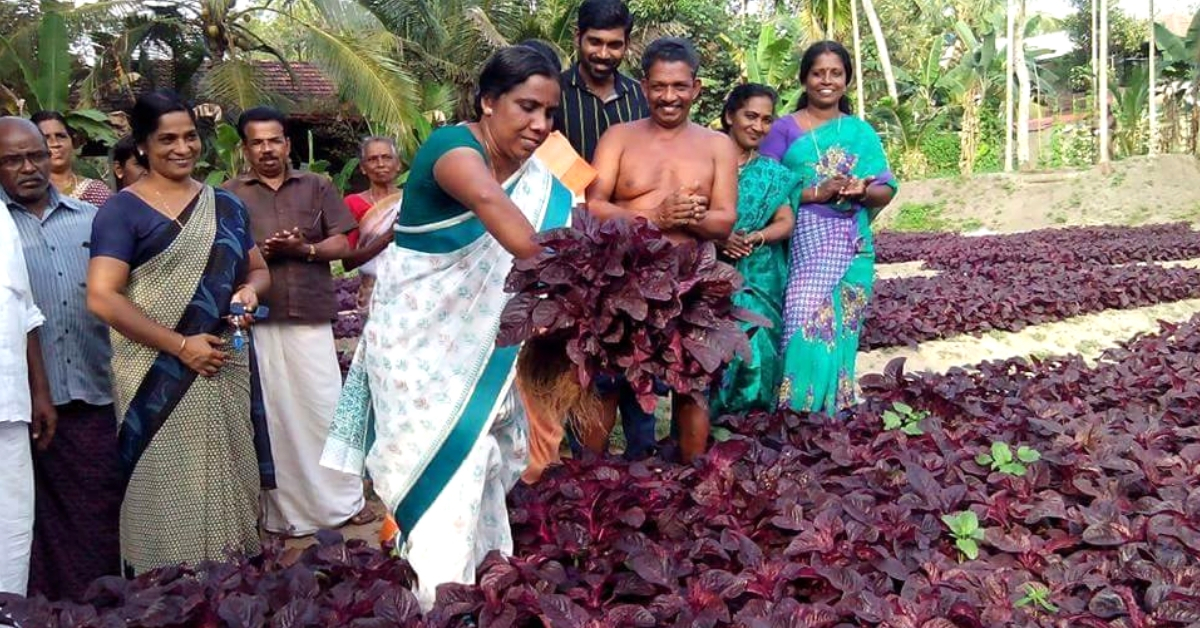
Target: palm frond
column 486, row 29
column 236, row 84
column 419, row 19
column 381, row 90
column 81, row 16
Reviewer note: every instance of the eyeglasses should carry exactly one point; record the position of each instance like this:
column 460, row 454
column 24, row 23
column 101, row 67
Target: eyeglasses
column 12, row 162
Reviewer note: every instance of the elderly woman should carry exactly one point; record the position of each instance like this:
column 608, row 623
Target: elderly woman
column 429, row 400
column 61, row 141
column 374, row 209
column 171, row 258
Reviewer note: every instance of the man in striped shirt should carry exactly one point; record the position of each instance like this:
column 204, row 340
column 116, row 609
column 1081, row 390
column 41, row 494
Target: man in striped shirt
column 78, row 484
column 595, row 95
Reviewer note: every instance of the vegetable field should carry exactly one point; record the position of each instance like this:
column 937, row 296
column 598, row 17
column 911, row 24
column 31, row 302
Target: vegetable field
column 1032, row 491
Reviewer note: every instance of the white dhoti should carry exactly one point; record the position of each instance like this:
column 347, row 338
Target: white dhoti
column 301, row 382
column 16, row 506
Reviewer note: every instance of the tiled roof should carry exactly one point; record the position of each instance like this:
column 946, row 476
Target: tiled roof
column 1177, row 23
column 311, row 92
column 310, row 84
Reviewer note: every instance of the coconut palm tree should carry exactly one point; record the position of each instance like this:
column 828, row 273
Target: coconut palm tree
column 860, row 100
column 1152, row 84
column 216, row 46
column 1102, row 78
column 1009, row 59
column 885, row 61
column 1024, row 91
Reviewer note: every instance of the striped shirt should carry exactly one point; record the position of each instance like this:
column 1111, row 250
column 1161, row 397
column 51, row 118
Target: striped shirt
column 74, row 342
column 583, row 117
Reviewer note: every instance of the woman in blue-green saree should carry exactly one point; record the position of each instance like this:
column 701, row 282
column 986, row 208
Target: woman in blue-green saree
column 429, row 404
column 764, row 223
column 844, row 183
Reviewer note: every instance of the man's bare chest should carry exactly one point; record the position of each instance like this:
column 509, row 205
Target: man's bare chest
column 649, row 169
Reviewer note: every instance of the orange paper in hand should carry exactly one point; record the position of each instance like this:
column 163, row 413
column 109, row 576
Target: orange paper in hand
column 566, row 164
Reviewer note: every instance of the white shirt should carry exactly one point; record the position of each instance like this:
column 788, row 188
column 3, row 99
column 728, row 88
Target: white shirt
column 18, row 316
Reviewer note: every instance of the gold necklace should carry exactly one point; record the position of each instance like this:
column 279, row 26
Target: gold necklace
column 749, row 157
column 812, row 128
column 167, row 207
column 489, row 150
column 492, row 152
column 74, row 186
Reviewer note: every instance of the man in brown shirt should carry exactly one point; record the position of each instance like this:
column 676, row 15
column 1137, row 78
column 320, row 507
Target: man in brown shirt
column 300, row 224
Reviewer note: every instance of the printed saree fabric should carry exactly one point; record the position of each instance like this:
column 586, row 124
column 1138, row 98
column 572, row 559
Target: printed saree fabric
column 194, row 450
column 832, row 266
column 429, row 405
column 763, row 186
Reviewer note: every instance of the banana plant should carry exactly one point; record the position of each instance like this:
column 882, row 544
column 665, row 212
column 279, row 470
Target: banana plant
column 1181, row 63
column 47, row 80
column 1130, row 104
column 773, row 60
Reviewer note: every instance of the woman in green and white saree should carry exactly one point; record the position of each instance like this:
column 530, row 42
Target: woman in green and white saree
column 429, row 403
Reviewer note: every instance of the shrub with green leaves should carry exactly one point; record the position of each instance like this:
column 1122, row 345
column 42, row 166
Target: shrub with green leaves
column 1004, row 460
column 967, row 533
column 904, row 418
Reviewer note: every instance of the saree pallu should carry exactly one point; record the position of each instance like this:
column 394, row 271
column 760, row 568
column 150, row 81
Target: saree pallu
column 763, row 187
column 194, row 450
column 832, row 267
column 429, row 403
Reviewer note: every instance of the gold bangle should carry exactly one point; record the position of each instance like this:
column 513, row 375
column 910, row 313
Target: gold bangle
column 312, row 252
column 182, row 343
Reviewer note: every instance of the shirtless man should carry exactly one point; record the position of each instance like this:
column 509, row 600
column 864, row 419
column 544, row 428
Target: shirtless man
column 676, row 174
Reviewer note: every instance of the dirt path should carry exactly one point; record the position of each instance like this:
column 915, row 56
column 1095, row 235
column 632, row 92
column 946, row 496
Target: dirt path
column 1137, row 191
column 901, row 270
column 1085, row 335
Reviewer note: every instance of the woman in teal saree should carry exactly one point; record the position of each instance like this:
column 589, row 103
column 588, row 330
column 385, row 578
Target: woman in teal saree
column 429, row 404
column 844, row 183
column 765, row 221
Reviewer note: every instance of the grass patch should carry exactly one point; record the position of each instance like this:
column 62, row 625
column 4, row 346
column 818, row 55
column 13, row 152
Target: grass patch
column 920, row 217
column 915, row 217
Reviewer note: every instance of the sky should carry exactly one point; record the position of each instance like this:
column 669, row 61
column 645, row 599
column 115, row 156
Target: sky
column 1137, row 8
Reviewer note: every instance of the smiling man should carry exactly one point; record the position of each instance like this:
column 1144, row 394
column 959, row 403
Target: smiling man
column 595, row 95
column 673, row 172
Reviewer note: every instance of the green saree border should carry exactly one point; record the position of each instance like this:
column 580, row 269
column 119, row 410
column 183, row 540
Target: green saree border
column 478, row 409
column 458, row 444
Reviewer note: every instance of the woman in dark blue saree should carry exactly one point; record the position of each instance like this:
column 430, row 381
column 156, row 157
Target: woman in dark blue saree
column 170, row 256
